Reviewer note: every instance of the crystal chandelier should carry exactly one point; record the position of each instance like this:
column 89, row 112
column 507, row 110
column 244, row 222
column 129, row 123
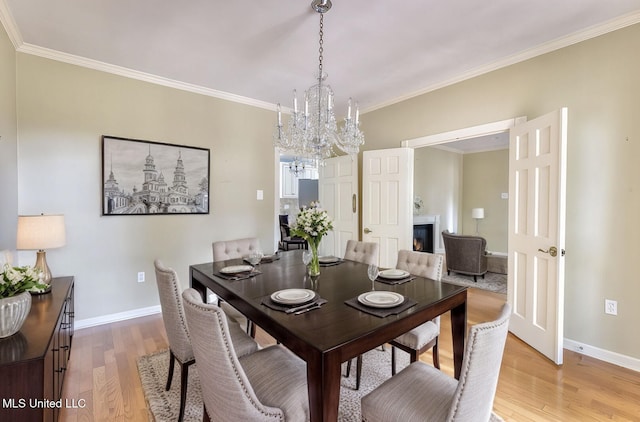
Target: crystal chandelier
column 297, row 166
column 312, row 131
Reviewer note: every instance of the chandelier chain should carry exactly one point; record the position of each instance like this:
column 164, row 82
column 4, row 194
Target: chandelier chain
column 321, row 42
column 312, row 132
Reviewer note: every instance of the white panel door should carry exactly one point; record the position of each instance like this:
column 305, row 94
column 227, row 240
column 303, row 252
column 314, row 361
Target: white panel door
column 537, row 182
column 337, row 193
column 387, row 201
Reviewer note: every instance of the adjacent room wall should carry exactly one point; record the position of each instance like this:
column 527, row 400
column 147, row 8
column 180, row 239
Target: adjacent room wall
column 598, row 81
column 451, row 184
column 63, row 110
column 437, row 181
column 8, row 144
column 485, row 178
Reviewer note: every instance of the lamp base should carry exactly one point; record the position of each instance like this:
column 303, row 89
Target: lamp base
column 41, row 264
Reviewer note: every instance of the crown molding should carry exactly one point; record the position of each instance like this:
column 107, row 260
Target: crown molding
column 142, row 76
column 584, row 35
column 7, row 20
column 9, row 23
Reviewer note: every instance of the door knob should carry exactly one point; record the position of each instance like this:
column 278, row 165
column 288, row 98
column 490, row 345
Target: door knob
column 367, row 230
column 553, row 251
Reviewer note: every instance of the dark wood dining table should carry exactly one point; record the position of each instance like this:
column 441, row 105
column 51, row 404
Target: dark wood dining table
column 336, row 332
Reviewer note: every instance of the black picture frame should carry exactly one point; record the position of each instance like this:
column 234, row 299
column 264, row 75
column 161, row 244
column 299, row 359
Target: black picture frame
column 153, row 178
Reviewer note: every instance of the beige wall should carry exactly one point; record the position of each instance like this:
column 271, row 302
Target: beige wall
column 598, row 80
column 62, row 112
column 485, row 177
column 8, row 144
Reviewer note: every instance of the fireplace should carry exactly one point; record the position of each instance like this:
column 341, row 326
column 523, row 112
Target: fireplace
column 426, row 233
column 423, row 237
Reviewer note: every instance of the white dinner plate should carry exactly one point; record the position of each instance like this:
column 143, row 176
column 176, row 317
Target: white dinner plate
column 394, row 274
column 293, row 296
column 235, row 269
column 381, row 299
column 328, row 259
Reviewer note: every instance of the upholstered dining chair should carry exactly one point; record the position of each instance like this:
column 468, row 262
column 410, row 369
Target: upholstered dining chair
column 268, row 385
column 236, row 248
column 425, row 336
column 175, row 325
column 233, row 249
column 422, row 393
column 366, row 253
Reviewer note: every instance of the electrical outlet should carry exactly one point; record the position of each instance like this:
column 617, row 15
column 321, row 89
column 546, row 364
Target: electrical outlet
column 611, row 307
column 141, row 277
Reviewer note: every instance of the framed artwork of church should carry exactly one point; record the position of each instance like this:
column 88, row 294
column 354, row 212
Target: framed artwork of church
column 148, row 177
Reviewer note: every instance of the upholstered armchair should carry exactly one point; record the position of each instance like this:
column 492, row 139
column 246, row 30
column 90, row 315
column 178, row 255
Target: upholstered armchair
column 465, row 254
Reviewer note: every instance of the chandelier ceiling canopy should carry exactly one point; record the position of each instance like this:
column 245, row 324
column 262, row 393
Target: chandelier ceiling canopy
column 312, row 131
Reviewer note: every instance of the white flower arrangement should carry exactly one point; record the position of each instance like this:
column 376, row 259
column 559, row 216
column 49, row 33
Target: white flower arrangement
column 312, row 223
column 16, row 280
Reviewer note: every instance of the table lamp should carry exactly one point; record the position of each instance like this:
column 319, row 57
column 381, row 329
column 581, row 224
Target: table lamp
column 478, row 214
column 40, row 232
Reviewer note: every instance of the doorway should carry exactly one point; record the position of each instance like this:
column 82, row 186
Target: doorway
column 445, row 192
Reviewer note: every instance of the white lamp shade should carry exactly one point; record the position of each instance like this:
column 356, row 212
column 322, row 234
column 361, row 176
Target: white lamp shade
column 40, row 232
column 477, row 213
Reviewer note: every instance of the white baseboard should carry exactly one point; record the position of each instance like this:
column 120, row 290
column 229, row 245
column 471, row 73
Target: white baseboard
column 604, row 355
column 120, row 316
column 494, row 253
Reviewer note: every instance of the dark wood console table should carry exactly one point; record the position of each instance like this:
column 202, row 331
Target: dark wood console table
column 34, row 360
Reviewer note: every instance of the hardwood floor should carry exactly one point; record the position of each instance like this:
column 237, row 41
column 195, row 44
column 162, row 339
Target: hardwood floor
column 103, row 372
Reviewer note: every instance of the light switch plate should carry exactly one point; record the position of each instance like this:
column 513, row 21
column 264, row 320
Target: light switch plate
column 260, row 195
column 611, row 307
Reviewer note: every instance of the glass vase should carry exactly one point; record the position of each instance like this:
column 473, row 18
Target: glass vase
column 314, row 264
column 13, row 312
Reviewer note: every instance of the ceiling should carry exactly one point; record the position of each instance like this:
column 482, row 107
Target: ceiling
column 378, row 52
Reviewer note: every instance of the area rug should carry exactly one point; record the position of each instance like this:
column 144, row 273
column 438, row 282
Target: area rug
column 164, row 405
column 493, row 282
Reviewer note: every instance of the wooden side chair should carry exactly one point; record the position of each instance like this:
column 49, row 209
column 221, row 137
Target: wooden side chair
column 286, row 240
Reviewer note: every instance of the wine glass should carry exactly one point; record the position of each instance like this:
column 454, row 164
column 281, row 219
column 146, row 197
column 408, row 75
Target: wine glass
column 255, row 257
column 373, row 272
